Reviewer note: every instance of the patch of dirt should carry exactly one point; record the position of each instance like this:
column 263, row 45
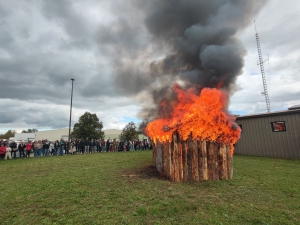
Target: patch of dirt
column 147, row 172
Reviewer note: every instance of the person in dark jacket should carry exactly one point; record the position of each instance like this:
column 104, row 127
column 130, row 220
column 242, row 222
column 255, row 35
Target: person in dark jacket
column 107, row 145
column 46, row 146
column 86, row 145
column 65, row 144
column 92, row 145
column 77, row 146
column 21, row 149
column 14, row 149
column 67, row 147
column 81, row 146
column 56, row 147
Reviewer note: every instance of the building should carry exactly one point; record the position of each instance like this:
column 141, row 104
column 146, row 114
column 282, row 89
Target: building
column 24, row 137
column 273, row 134
column 114, row 134
column 53, row 135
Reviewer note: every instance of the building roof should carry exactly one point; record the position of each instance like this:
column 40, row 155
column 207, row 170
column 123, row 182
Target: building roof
column 294, row 107
column 290, row 111
column 57, row 130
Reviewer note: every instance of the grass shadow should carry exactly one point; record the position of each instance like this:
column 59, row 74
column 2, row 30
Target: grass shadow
column 146, row 172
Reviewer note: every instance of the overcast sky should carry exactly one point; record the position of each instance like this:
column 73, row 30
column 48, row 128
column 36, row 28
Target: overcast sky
column 43, row 44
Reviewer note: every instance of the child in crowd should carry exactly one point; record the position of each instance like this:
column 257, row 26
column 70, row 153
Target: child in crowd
column 8, row 152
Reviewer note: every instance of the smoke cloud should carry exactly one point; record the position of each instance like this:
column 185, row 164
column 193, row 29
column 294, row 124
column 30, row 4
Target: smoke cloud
column 191, row 42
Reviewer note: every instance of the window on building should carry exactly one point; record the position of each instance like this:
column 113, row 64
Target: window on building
column 241, row 126
column 278, row 126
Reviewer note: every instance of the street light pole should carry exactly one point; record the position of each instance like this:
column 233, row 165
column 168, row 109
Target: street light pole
column 68, row 146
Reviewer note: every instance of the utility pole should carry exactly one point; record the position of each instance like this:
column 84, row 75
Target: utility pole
column 68, row 145
column 261, row 63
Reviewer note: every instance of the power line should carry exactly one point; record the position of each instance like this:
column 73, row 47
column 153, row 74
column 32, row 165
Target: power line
column 280, row 53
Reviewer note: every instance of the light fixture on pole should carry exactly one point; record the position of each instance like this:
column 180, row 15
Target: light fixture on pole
column 68, row 146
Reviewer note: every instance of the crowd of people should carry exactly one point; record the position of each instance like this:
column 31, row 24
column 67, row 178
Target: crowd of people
column 39, row 148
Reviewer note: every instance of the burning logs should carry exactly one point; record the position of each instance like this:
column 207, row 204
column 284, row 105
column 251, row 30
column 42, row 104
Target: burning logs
column 204, row 126
column 193, row 160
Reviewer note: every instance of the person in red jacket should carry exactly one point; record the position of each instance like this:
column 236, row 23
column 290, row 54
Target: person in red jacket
column 28, row 149
column 2, row 150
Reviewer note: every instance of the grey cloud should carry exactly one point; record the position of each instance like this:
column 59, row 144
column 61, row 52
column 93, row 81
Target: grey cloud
column 62, row 12
column 3, row 12
column 97, row 86
column 8, row 116
column 198, row 46
column 47, row 118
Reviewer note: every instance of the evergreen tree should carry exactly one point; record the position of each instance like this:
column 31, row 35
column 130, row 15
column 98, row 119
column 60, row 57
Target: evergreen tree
column 89, row 127
column 129, row 132
column 8, row 134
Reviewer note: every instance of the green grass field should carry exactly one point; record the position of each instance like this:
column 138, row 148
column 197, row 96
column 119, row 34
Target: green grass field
column 123, row 188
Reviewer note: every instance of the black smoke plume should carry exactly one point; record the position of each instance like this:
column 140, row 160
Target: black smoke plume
column 161, row 42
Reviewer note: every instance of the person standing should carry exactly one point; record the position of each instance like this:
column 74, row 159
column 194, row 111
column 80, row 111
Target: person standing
column 21, row 149
column 51, row 148
column 66, row 147
column 114, row 145
column 46, row 146
column 77, row 146
column 102, row 145
column 81, row 146
column 35, row 151
column 107, row 145
column 56, row 147
column 61, row 146
column 8, row 152
column 98, row 145
column 28, row 148
column 86, row 145
column 65, row 144
column 131, row 148
column 72, row 148
column 39, row 147
column 92, row 145
column 14, row 149
column 2, row 150
column 42, row 150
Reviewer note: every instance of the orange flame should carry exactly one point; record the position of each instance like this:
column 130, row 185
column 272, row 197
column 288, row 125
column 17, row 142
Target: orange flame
column 204, row 117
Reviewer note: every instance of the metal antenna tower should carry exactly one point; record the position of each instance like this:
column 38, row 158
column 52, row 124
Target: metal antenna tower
column 261, row 63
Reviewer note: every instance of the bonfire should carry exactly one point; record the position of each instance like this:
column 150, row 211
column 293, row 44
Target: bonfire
column 196, row 140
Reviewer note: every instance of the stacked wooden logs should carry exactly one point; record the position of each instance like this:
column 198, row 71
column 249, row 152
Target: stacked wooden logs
column 193, row 160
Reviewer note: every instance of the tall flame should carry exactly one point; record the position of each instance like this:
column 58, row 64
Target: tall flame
column 204, row 117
